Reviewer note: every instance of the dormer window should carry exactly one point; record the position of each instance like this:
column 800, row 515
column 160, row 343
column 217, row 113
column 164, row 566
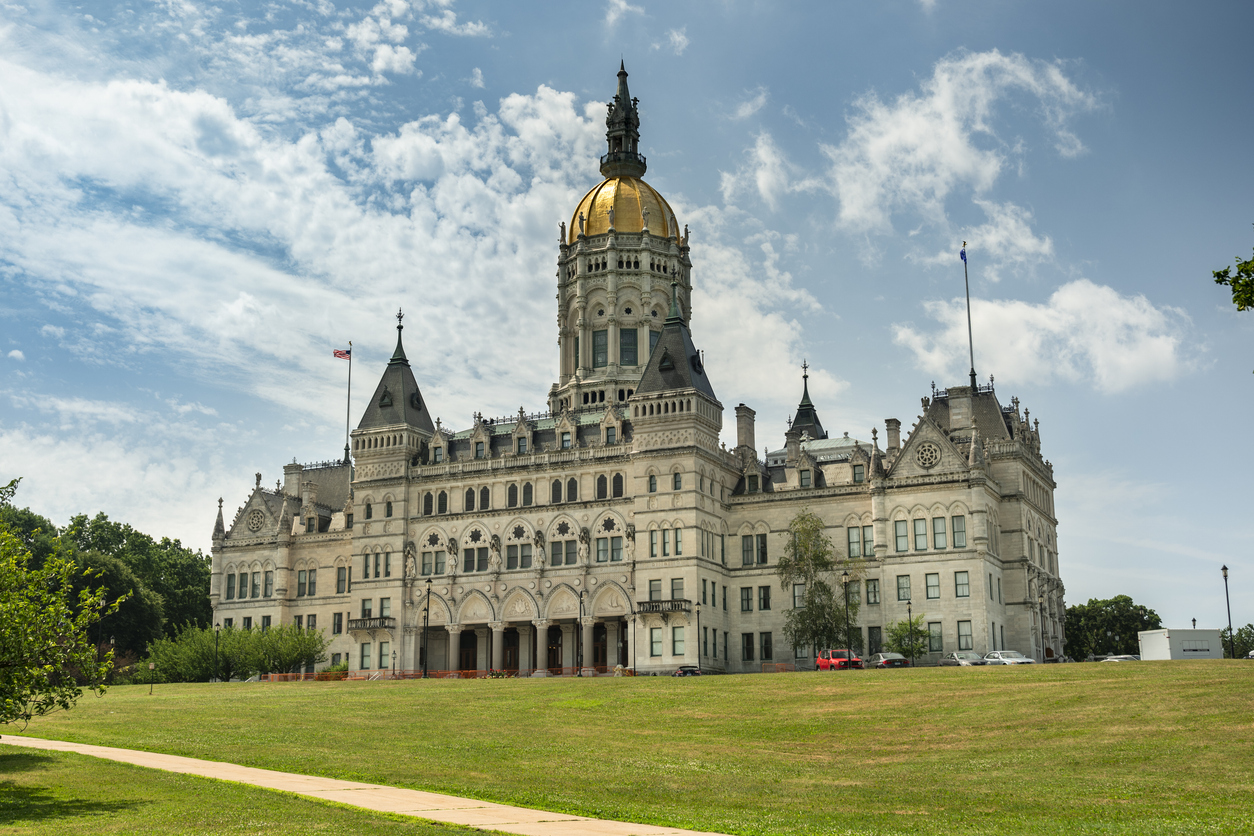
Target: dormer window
column 611, row 435
column 348, row 520
column 753, row 484
column 522, row 446
column 437, row 455
column 311, row 525
column 565, row 441
column 478, row 449
column 859, row 473
column 805, row 478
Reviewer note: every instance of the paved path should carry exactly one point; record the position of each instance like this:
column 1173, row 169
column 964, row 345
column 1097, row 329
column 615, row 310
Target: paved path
column 428, row 805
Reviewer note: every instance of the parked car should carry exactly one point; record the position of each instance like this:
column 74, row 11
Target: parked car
column 1123, row 658
column 888, row 660
column 832, row 660
column 1007, row 657
column 687, row 670
column 963, row 659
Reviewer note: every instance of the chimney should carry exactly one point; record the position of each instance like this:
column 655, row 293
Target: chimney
column 894, row 433
column 960, row 408
column 744, row 428
column 792, row 446
column 291, row 479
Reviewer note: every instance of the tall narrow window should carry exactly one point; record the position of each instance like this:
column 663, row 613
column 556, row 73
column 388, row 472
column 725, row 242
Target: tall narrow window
column 764, row 597
column 556, row 492
column 478, row 449
column 934, row 642
column 426, row 563
column 428, row 504
column 572, row 552
column 679, row 541
column 369, row 511
column 964, row 635
column 903, row 587
column 603, row 550
column 678, row 480
column 902, row 535
column 939, row 538
column 868, row 541
column 269, row 583
column 470, row 499
column 230, row 586
column 962, row 586
column 301, row 580
column 746, row 550
column 746, row 647
column 572, row 490
column 387, row 508
column 337, row 623
column 655, row 641
column 522, row 446
column 761, row 549
column 653, row 543
column 805, row 478
column 439, row 562
column 677, row 641
column 746, row 599
column 616, row 549
column 565, row 441
column 603, row 487
column 666, row 542
column 437, row 455
column 611, row 435
column 618, row 485
column 600, row 349
column 524, row 556
column 960, row 532
column 511, row 496
column 872, row 591
column 768, row 652
column 341, row 580
column 443, row 503
column 655, row 590
column 798, row 596
column 511, row 557
column 653, row 484
column 855, row 541
column 920, row 535
column 485, row 499
column 627, row 353
column 933, row 585
column 527, row 495
column 859, row 473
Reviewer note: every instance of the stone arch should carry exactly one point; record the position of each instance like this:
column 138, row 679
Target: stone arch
column 476, row 608
column 599, row 529
column 745, row 528
column 610, row 599
column 519, row 605
column 556, row 524
column 423, row 543
column 563, row 602
column 441, row 611
column 528, row 531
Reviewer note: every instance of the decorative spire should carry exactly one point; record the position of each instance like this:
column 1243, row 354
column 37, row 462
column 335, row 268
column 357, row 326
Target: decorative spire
column 674, row 312
column 622, row 133
column 398, row 356
column 805, row 384
column 219, row 527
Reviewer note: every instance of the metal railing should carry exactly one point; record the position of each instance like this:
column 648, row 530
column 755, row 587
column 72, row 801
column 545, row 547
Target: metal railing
column 673, row 605
column 376, row 623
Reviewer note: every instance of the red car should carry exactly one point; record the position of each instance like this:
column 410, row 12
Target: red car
column 838, row 660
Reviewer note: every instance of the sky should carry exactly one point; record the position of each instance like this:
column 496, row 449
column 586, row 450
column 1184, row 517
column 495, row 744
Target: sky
column 200, row 201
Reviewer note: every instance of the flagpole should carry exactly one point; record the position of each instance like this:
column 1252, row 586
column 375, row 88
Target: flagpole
column 348, row 408
column 970, row 340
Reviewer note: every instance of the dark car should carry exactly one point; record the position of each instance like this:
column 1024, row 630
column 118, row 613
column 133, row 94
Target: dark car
column 687, row 670
column 838, row 660
column 963, row 659
column 888, row 660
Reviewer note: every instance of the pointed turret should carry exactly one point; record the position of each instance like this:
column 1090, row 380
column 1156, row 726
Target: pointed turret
column 622, row 134
column 807, row 418
column 219, row 527
column 397, row 401
column 675, row 363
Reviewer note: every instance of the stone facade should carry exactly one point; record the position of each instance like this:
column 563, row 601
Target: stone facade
column 615, row 528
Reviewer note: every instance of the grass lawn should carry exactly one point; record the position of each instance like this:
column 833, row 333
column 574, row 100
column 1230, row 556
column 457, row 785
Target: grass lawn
column 50, row 793
column 1135, row 748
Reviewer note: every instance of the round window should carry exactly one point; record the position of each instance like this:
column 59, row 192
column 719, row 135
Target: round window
column 255, row 520
column 928, row 455
column 600, row 313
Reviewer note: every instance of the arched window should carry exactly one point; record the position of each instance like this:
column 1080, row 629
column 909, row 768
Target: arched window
column 470, row 499
column 679, row 481
column 485, row 499
column 572, row 490
column 653, row 484
column 618, row 485
column 557, row 491
column 511, row 496
column 387, row 508
column 426, row 504
column 602, row 487
column 442, row 503
column 527, row 495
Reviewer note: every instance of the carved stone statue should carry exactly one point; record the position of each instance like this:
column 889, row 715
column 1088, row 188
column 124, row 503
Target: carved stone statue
column 610, row 213
column 644, row 219
column 581, row 222
column 494, row 562
column 540, row 558
column 585, row 539
column 563, row 226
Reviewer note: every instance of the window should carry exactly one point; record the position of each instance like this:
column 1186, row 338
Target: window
column 437, row 455
column 653, row 543
column 335, row 659
column 903, row 538
column 603, row 487
column 798, row 596
column 677, row 589
column 960, row 532
column 248, row 622
column 298, row 621
column 311, row 525
column 724, row 599
column 753, row 484
column 679, row 541
column 920, row 535
column 603, row 550
column 767, row 650
column 312, row 588
column 387, row 565
column 990, row 586
column 565, row 441
column 243, row 585
column 511, row 557
column 764, row 598
column 524, row 556
column 872, row 591
column 511, row 496
column 302, row 579
column 939, row 540
column 746, row 599
column 611, row 435
column 341, row 580
column 369, row 511
column 705, row 641
column 746, row 647
column 522, row 446
column 600, row 349
column 903, row 587
column 962, row 588
column 265, row 623
column 627, row 353
column 875, row 639
column 572, row 552
column 337, row 623
column 746, row 550
column 230, row 586
column 485, row 499
column 367, row 607
column 527, row 495
column 426, row 563
column 934, row 642
column 868, row 541
column 805, row 478
column 655, row 641
column 932, row 582
column 655, row 590
column 677, row 641
column 855, row 541
column 469, row 502
column 269, row 583
column 714, row 633
column 556, row 492
column 365, row 656
column 678, row 481
column 383, row 653
column 572, row 490
column 478, row 449
column 377, row 559
column 616, row 549
column 385, row 607
column 859, row 473
column 964, row 635
column 999, row 596
column 348, row 520
column 761, row 548
column 442, row 503
column 387, row 509
column 652, row 484
column 618, row 485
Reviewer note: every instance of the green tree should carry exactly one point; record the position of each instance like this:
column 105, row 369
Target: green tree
column 808, row 560
column 178, row 574
column 37, row 534
column 909, row 637
column 286, row 648
column 1244, row 641
column 137, row 619
column 1107, row 627
column 46, row 655
column 1241, row 282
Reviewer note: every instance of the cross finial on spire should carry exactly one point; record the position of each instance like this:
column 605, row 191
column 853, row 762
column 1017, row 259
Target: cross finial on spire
column 399, row 316
column 805, row 369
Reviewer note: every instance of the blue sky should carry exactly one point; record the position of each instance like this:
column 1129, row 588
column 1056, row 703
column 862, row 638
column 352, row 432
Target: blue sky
column 199, row 201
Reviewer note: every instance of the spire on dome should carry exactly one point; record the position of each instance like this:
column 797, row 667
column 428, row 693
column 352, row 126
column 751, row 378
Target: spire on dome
column 398, row 356
column 622, row 133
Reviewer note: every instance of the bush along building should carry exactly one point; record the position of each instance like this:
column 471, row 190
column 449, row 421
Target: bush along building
column 614, row 528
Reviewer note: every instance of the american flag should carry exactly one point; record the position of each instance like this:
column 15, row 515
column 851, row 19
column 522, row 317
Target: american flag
column 343, row 355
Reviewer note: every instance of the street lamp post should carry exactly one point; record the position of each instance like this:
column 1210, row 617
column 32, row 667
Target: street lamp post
column 1232, row 644
column 698, row 608
column 910, row 627
column 1040, row 606
column 217, row 630
column 844, row 577
column 1195, row 624
column 426, row 615
column 633, row 635
column 394, row 664
column 579, row 635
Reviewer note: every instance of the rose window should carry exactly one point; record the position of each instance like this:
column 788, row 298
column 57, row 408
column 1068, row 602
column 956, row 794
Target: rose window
column 255, row 520
column 928, row 455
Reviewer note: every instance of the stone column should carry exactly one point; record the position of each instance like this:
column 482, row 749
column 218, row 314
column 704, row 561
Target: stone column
column 452, row 658
column 542, row 647
column 611, row 643
column 524, row 647
column 481, row 649
column 586, row 622
column 498, row 644
column 569, row 659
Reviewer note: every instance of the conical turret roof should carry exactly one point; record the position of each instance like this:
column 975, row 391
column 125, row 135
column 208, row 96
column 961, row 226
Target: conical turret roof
column 397, row 399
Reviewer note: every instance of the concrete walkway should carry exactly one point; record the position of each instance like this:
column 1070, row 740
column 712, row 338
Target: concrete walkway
column 428, row 805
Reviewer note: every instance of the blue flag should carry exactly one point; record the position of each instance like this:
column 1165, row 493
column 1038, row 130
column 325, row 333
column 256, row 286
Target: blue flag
column 963, row 255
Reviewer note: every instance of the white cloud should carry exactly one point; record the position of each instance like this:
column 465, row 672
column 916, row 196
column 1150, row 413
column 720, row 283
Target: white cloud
column 678, row 39
column 1084, row 332
column 392, row 59
column 1006, row 239
column 765, row 172
column 751, row 105
column 54, row 331
column 616, row 10
column 16, row 354
column 476, row 78
column 446, row 22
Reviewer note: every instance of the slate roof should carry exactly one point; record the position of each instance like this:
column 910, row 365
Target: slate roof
column 988, row 415
column 403, row 403
column 675, row 363
column 807, row 418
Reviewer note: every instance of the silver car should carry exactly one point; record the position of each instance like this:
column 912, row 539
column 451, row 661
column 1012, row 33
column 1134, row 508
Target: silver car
column 1007, row 657
column 963, row 659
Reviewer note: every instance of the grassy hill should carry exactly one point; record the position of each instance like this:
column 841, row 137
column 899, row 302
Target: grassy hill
column 1137, row 748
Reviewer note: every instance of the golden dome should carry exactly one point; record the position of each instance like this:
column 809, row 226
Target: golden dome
column 627, row 196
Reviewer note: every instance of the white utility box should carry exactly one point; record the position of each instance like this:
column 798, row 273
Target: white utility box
column 1180, row 644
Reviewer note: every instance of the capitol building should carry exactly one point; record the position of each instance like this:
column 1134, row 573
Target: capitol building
column 614, row 528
